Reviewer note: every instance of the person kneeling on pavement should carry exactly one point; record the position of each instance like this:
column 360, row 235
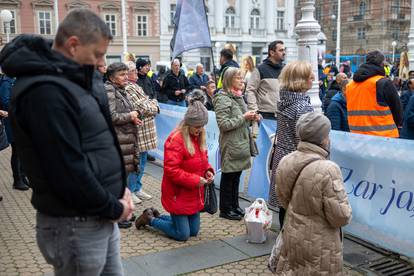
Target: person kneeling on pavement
column 313, row 194
column 186, row 171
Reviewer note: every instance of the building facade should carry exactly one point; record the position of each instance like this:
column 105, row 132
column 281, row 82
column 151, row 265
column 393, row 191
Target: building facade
column 142, row 17
column 248, row 24
column 365, row 25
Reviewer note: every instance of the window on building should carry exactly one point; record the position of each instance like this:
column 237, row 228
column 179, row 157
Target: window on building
column 318, row 14
column 362, row 8
column 361, row 33
column 45, row 22
column 280, row 20
column 110, row 20
column 230, row 18
column 395, row 6
column 335, row 9
column 112, row 59
column 205, row 58
column 12, row 29
column 395, row 33
column 172, row 13
column 334, row 35
column 142, row 25
column 254, row 19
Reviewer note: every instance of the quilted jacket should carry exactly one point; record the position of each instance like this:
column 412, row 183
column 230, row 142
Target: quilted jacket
column 317, row 207
column 181, row 193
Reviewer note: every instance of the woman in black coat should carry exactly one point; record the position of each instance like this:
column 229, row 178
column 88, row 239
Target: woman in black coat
column 295, row 80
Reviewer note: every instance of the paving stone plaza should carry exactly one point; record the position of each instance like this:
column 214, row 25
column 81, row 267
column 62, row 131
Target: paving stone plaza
column 220, row 248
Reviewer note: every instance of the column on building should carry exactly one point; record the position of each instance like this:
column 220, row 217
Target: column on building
column 244, row 16
column 290, row 17
column 410, row 44
column 270, row 16
column 219, row 15
column 164, row 15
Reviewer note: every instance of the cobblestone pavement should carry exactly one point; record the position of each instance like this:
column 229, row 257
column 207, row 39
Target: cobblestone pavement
column 250, row 267
column 19, row 254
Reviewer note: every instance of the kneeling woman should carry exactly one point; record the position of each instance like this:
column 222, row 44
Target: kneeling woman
column 186, row 171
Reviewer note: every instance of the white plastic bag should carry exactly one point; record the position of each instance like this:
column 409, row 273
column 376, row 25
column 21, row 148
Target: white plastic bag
column 258, row 219
column 274, row 256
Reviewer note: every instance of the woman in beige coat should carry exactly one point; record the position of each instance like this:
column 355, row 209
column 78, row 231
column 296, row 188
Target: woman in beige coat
column 316, row 202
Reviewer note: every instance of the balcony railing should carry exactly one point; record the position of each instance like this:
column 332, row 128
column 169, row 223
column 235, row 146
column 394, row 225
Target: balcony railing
column 232, row 31
column 258, row 32
column 358, row 17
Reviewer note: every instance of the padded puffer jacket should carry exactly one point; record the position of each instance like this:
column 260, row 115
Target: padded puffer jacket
column 317, row 207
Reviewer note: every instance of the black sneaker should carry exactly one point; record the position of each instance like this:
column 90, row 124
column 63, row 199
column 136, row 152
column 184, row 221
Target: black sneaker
column 124, row 224
column 231, row 215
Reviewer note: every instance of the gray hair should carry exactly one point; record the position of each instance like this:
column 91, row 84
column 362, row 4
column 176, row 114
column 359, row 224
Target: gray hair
column 131, row 65
column 115, row 68
column 228, row 77
column 84, row 24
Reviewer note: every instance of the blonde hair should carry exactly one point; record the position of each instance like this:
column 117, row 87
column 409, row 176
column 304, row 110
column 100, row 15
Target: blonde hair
column 184, row 129
column 247, row 64
column 295, row 76
column 230, row 73
column 129, row 57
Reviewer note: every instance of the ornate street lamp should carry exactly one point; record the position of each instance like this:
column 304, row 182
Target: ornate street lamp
column 308, row 29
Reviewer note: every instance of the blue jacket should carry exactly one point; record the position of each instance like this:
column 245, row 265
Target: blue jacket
column 337, row 113
column 6, row 85
column 196, row 81
column 405, row 97
column 407, row 131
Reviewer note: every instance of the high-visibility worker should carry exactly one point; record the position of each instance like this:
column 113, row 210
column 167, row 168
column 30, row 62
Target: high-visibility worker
column 373, row 104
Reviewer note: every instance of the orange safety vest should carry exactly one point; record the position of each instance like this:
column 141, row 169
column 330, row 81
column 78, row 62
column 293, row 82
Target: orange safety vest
column 365, row 115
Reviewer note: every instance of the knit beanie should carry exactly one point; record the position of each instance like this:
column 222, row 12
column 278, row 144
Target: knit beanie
column 141, row 63
column 197, row 114
column 375, row 57
column 313, row 127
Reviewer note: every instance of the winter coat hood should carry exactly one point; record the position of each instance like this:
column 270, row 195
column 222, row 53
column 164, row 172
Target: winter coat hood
column 29, row 55
column 339, row 97
column 276, row 66
column 367, row 70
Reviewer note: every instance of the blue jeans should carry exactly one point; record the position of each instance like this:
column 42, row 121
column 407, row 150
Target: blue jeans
column 181, row 103
column 178, row 227
column 134, row 180
column 87, row 246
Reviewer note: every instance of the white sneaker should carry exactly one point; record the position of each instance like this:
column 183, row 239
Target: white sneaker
column 143, row 195
column 135, row 199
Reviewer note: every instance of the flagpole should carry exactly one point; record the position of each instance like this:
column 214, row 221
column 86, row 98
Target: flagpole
column 211, row 47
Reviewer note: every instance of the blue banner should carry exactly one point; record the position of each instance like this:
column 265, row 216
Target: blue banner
column 378, row 175
column 191, row 28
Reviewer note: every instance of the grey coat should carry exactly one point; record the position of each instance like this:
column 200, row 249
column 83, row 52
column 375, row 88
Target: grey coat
column 234, row 132
column 291, row 106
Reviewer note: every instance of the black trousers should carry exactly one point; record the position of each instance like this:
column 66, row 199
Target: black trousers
column 229, row 191
column 282, row 213
column 15, row 163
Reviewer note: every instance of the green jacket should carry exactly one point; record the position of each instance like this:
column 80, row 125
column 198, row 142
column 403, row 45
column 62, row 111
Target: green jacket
column 234, row 132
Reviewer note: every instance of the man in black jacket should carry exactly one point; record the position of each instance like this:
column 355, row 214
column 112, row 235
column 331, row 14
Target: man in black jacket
column 61, row 121
column 143, row 80
column 226, row 61
column 175, row 85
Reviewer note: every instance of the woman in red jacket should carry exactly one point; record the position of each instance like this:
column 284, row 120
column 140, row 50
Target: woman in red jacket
column 186, row 171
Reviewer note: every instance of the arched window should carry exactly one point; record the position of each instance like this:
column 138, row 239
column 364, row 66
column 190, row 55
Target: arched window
column 254, row 19
column 362, row 8
column 230, row 18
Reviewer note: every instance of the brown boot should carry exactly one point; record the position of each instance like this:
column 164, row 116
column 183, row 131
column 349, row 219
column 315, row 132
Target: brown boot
column 144, row 219
column 155, row 212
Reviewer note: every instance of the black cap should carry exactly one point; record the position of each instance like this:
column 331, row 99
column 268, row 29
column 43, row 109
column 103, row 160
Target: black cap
column 141, row 63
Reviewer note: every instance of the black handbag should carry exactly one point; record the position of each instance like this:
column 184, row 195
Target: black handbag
column 210, row 199
column 4, row 143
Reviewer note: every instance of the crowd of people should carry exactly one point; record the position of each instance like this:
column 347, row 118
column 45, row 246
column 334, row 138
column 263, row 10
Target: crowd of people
column 84, row 153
